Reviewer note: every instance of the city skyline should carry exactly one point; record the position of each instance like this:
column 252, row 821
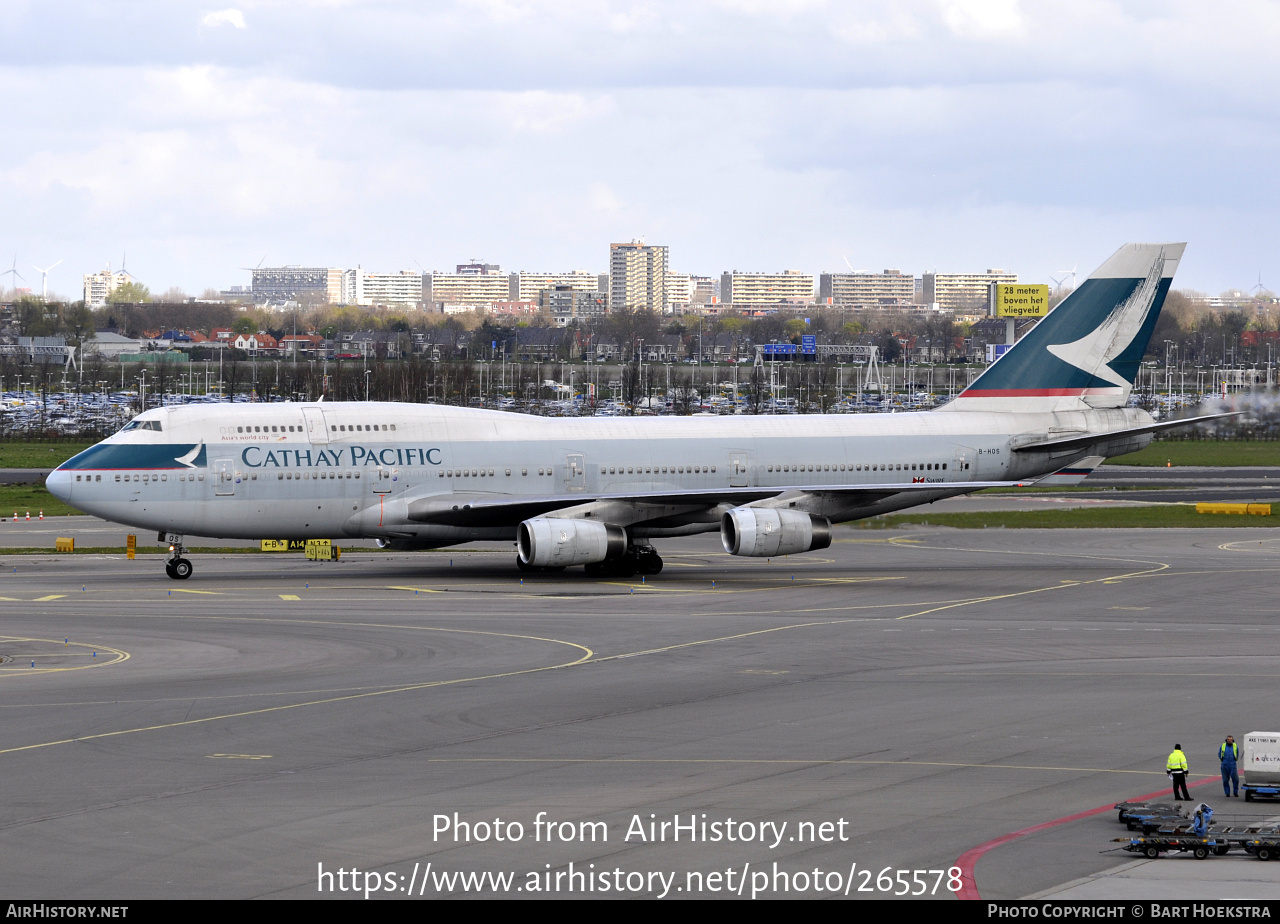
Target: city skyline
column 933, row 135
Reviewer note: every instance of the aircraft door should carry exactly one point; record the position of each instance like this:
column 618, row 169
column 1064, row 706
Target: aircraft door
column 575, row 472
column 317, row 429
column 382, row 480
column 737, row 470
column 224, row 477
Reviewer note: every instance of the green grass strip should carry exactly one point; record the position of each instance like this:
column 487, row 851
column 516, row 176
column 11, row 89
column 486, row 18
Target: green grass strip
column 1226, row 453
column 1160, row 516
column 34, row 498
column 23, row 454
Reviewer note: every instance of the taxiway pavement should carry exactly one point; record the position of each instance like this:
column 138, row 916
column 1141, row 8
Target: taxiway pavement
column 920, row 692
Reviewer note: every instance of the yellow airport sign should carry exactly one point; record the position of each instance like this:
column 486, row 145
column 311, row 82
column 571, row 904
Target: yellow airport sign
column 1015, row 300
column 284, row 545
column 322, row 550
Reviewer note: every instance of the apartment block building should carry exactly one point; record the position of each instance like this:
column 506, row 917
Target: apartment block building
column 314, row 284
column 567, row 304
column 98, row 286
column 763, row 290
column 527, row 286
column 637, row 277
column 474, row 289
column 962, row 291
column 867, row 290
column 360, row 287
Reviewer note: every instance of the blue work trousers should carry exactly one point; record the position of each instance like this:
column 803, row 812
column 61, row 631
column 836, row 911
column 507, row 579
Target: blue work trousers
column 1229, row 776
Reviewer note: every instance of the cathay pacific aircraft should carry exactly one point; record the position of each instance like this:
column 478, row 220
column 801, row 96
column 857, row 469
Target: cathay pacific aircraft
column 598, row 491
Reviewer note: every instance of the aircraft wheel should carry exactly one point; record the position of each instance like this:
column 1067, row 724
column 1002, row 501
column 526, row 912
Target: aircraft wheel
column 168, row 569
column 650, row 563
column 181, row 569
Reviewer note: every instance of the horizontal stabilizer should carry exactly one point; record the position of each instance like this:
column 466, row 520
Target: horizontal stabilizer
column 1072, row 475
column 1097, row 439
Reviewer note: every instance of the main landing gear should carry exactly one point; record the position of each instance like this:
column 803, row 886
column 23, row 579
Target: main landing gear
column 177, row 567
column 639, row 559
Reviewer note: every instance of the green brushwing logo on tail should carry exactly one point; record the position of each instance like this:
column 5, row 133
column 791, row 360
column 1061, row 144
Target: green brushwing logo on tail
column 1090, row 344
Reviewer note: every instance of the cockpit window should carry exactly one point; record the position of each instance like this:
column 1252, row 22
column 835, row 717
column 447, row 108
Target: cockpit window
column 142, row 425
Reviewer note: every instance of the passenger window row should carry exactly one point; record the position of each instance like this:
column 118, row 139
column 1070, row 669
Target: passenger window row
column 482, row 473
column 308, row 476
column 298, row 428
column 657, row 470
column 880, row 467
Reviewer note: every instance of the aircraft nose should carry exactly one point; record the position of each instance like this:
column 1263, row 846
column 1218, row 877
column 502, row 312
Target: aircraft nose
column 59, row 484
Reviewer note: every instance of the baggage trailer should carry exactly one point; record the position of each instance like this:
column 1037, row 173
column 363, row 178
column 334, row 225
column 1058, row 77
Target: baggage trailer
column 1152, row 845
column 1264, row 846
column 1260, row 766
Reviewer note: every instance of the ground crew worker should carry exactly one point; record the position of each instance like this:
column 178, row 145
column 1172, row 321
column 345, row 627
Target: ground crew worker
column 1176, row 767
column 1229, row 755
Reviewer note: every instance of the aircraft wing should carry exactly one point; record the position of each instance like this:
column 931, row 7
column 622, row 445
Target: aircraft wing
column 1090, row 440
column 483, row 509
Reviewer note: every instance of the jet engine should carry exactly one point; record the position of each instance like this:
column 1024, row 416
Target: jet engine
column 764, row 532
column 548, row 542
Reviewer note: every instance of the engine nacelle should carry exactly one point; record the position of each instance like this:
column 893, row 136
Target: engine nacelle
column 547, row 542
column 763, row 532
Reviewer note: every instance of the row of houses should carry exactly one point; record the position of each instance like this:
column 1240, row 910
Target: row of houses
column 534, row 344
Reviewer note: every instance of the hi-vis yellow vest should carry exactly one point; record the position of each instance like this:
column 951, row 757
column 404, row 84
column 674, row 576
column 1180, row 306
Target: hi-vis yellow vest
column 1177, row 761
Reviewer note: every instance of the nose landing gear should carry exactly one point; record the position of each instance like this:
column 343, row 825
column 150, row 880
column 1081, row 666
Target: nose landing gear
column 177, row 567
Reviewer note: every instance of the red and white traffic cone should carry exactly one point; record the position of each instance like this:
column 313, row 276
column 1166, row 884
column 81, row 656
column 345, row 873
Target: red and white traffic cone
column 42, row 514
column 28, row 516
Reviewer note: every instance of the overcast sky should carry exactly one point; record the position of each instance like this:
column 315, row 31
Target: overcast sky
column 948, row 135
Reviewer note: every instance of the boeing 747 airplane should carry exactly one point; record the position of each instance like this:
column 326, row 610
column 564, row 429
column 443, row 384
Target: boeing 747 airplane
column 597, row 491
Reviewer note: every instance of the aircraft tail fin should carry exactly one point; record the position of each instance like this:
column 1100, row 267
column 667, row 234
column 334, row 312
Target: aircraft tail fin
column 1086, row 352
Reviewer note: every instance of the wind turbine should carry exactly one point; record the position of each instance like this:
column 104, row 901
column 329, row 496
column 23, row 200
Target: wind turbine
column 1259, row 287
column 1066, row 274
column 44, row 281
column 13, row 272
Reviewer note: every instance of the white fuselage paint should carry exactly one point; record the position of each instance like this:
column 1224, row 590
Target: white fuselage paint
column 327, row 479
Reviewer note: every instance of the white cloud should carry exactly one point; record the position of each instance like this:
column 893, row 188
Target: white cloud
column 982, row 18
column 919, row 133
column 231, row 17
column 604, row 199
